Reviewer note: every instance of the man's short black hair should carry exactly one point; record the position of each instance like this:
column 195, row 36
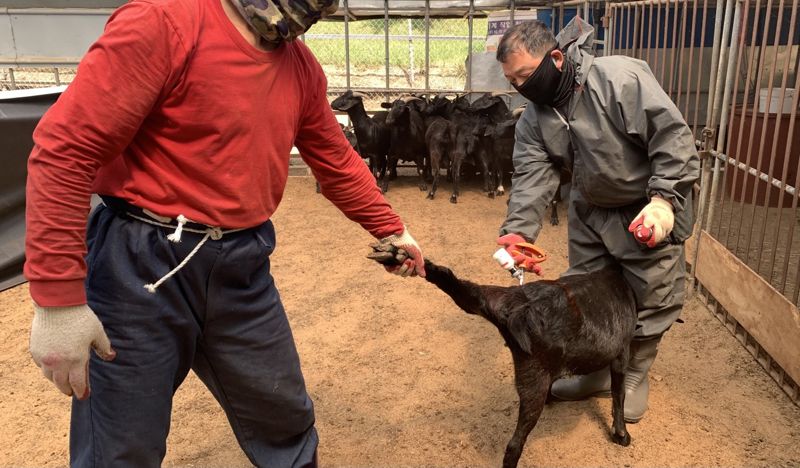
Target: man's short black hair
column 533, row 36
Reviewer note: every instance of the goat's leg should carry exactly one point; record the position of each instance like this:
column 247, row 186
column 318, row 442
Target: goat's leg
column 500, row 189
column 620, row 433
column 554, row 203
column 391, row 162
column 533, row 384
column 423, row 185
column 456, row 177
column 373, row 166
column 383, row 161
column 393, row 167
column 488, row 183
column 435, row 169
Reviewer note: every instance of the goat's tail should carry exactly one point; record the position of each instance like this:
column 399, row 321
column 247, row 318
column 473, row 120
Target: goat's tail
column 467, row 295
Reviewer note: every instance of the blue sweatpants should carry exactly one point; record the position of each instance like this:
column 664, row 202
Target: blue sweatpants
column 220, row 316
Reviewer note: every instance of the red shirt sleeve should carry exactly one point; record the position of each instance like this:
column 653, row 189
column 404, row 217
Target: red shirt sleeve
column 343, row 177
column 121, row 78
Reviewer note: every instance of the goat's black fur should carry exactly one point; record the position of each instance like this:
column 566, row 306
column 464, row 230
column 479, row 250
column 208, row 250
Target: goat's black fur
column 574, row 325
column 407, row 131
column 372, row 133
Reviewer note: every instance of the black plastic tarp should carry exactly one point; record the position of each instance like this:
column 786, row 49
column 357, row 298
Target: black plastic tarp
column 20, row 111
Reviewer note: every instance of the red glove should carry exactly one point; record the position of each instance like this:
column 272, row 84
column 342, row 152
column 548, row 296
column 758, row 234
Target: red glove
column 526, row 255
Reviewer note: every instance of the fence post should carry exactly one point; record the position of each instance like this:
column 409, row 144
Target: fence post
column 347, row 42
column 427, row 46
column 726, row 98
column 714, row 96
column 410, row 52
column 386, row 42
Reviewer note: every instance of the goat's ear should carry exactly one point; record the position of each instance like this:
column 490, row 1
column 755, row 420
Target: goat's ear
column 519, row 329
column 386, row 105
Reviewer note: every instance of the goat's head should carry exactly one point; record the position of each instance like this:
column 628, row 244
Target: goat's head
column 399, row 110
column 492, row 104
column 438, row 105
column 462, row 103
column 347, row 101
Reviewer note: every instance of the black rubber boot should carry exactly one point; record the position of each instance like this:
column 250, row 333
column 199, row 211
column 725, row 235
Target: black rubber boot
column 637, row 387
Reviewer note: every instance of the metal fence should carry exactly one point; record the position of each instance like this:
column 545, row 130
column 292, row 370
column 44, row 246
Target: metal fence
column 733, row 70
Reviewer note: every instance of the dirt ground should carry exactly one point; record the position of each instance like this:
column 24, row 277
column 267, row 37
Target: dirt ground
column 401, row 377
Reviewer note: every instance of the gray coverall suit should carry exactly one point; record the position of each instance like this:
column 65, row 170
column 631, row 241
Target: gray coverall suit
column 624, row 141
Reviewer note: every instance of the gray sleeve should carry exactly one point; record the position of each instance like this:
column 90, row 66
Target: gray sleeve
column 534, row 182
column 651, row 115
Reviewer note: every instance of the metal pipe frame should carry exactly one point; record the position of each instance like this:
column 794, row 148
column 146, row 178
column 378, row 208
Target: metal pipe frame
column 726, row 95
column 386, row 41
column 427, row 46
column 776, row 42
column 347, row 42
column 750, row 62
column 775, row 144
column 713, row 99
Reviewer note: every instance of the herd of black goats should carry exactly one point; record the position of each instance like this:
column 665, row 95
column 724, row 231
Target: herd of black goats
column 434, row 133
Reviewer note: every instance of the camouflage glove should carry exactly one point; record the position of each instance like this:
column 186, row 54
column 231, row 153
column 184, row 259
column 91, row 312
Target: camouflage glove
column 413, row 264
column 60, row 342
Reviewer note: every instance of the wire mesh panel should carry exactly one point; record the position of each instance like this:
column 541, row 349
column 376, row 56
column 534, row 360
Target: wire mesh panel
column 35, row 77
column 447, row 52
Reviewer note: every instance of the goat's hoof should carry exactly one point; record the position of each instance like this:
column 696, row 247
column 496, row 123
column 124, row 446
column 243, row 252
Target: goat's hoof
column 491, row 195
column 554, row 221
column 423, row 187
column 623, row 440
column 453, row 199
column 430, row 196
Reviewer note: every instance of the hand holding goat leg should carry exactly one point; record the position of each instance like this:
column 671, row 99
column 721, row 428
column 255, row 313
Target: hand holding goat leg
column 574, row 325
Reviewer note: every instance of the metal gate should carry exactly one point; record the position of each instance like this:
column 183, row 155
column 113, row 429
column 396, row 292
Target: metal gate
column 732, row 68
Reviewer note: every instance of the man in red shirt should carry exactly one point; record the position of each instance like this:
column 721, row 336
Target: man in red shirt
column 182, row 116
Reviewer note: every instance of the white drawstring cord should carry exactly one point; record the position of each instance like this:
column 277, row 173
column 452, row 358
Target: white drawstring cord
column 153, row 286
column 176, row 236
column 213, row 233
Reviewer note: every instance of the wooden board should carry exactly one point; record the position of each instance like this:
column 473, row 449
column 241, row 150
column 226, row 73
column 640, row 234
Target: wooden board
column 764, row 312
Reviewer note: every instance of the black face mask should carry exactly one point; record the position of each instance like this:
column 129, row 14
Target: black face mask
column 548, row 86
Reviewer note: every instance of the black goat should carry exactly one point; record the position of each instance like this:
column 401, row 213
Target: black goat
column 574, row 325
column 407, row 131
column 372, row 133
column 466, row 148
column 492, row 113
column 440, row 137
column 502, row 135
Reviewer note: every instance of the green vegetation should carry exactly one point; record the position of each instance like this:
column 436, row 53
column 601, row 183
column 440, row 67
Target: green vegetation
column 369, row 53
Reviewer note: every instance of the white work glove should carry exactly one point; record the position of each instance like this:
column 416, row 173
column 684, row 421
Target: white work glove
column 60, row 342
column 657, row 217
column 412, row 266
